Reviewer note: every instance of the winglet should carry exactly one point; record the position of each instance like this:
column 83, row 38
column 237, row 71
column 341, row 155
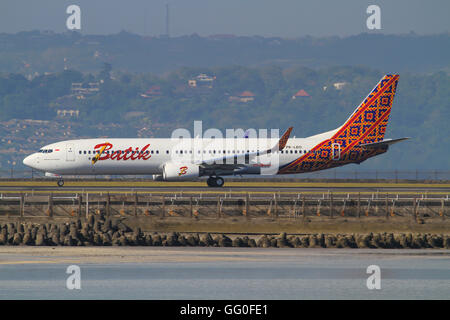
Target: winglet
column 284, row 139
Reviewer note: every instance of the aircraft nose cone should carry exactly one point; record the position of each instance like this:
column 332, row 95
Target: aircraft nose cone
column 28, row 161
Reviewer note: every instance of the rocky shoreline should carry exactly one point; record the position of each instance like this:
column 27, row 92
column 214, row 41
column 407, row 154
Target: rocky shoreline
column 101, row 231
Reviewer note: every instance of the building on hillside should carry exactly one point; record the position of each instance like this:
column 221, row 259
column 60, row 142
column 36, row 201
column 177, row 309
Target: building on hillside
column 153, row 91
column 67, row 113
column 81, row 91
column 301, row 94
column 201, row 81
column 245, row 97
column 340, row 85
column 36, row 122
column 93, row 87
column 77, row 88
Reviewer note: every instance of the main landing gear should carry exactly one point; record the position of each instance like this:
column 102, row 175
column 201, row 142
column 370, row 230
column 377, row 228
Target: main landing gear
column 60, row 182
column 215, row 182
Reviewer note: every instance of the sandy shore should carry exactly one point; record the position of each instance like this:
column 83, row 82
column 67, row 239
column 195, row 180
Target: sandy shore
column 117, row 255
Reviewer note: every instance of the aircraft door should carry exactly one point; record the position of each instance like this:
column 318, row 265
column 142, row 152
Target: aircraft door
column 70, row 152
column 336, row 151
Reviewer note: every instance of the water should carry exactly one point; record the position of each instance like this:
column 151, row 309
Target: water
column 226, row 273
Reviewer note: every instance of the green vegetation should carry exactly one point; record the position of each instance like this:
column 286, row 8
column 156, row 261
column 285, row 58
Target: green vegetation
column 35, row 51
column 421, row 109
column 272, row 69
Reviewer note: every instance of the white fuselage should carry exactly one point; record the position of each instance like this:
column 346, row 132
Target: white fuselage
column 148, row 156
column 359, row 138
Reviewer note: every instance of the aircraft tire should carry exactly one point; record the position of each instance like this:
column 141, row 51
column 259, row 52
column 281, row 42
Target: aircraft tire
column 211, row 182
column 215, row 182
column 60, row 183
column 219, row 182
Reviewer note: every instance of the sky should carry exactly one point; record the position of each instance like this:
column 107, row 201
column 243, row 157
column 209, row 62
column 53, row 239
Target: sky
column 283, row 18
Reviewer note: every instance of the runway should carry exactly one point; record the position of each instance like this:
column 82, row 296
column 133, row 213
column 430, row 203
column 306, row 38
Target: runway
column 232, row 187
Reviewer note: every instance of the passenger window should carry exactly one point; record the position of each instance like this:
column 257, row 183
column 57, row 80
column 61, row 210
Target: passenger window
column 84, row 151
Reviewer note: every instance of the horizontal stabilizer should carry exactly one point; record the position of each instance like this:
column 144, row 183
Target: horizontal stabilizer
column 386, row 142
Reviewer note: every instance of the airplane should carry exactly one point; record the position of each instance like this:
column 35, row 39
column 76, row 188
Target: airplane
column 358, row 139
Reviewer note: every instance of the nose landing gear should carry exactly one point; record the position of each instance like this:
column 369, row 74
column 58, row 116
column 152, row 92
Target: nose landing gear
column 215, row 182
column 60, row 182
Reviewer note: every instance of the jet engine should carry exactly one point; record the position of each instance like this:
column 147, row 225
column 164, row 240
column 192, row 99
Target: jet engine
column 180, row 171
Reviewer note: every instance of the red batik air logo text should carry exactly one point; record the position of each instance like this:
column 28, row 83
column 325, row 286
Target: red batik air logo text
column 183, row 171
column 127, row 154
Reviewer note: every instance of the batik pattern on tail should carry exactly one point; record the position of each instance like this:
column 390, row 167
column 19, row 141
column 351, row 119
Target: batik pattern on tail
column 366, row 125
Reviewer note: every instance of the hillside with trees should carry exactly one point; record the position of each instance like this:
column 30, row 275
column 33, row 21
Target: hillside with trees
column 36, row 51
column 116, row 103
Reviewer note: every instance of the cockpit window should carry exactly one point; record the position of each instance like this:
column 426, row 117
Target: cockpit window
column 45, row 151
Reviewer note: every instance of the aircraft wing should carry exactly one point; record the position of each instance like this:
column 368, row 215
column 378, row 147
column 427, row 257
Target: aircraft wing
column 236, row 161
column 385, row 142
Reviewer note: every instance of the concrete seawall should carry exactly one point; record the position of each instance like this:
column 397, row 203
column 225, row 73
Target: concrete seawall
column 98, row 230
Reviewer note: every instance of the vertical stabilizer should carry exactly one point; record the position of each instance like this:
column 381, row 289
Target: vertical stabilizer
column 368, row 122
